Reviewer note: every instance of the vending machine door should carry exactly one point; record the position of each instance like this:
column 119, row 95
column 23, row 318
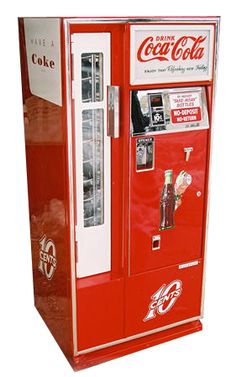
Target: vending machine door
column 99, row 282
column 167, row 180
column 91, row 75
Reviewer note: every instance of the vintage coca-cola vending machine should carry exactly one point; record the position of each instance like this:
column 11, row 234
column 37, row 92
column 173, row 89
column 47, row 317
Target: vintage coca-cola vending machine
column 118, row 124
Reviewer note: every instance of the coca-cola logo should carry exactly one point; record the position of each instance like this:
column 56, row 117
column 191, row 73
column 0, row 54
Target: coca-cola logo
column 43, row 61
column 163, row 299
column 168, row 48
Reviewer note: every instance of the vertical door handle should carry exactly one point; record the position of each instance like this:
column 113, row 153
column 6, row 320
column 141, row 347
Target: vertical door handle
column 113, row 113
column 187, row 152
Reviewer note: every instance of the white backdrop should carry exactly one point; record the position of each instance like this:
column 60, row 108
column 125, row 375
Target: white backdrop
column 27, row 347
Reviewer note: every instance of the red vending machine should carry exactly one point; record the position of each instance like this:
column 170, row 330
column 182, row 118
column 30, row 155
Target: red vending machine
column 118, row 124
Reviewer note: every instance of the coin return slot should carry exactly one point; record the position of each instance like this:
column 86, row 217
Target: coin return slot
column 156, row 242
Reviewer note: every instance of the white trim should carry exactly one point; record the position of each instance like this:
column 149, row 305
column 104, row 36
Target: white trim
column 120, row 20
column 71, row 185
column 209, row 167
column 137, row 336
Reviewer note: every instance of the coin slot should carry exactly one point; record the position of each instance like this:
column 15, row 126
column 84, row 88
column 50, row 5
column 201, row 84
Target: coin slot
column 145, row 154
column 156, row 242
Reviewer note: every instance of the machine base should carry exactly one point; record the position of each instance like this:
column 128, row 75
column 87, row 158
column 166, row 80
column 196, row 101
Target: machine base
column 105, row 354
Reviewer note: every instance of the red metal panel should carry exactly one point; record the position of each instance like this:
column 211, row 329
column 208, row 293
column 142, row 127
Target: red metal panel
column 186, row 302
column 185, row 240
column 47, row 173
column 108, row 353
column 100, row 311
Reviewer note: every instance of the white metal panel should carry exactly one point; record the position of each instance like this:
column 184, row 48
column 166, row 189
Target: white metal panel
column 43, row 50
column 94, row 243
column 170, row 69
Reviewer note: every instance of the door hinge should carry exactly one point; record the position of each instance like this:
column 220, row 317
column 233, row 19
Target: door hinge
column 76, row 233
column 113, row 125
column 76, row 244
column 76, row 253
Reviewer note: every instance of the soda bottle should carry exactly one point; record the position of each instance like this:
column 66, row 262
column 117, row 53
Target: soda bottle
column 167, row 203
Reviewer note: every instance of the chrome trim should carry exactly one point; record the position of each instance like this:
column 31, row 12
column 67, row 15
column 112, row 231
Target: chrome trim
column 217, row 41
column 188, row 151
column 141, row 335
column 70, row 179
column 181, row 127
column 109, row 20
column 113, row 116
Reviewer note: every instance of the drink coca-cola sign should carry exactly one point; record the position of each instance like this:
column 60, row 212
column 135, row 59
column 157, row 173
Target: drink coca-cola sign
column 166, row 49
column 171, row 53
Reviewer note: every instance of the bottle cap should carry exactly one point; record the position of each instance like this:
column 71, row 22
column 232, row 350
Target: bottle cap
column 168, row 172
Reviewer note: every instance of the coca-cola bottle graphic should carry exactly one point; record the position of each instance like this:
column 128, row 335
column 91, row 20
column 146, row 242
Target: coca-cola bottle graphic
column 167, row 203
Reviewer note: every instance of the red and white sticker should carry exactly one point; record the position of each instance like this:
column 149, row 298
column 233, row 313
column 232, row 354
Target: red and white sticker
column 185, row 107
column 163, row 299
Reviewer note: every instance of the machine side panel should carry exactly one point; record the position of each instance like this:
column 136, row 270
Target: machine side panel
column 46, row 154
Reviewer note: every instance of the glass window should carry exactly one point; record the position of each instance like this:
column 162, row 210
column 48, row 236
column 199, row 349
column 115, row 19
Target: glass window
column 93, row 167
column 92, row 77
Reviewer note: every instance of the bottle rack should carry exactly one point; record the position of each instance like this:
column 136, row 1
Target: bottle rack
column 93, row 139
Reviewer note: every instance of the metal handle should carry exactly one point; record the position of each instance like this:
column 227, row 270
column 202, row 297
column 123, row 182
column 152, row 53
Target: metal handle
column 188, row 150
column 113, row 121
